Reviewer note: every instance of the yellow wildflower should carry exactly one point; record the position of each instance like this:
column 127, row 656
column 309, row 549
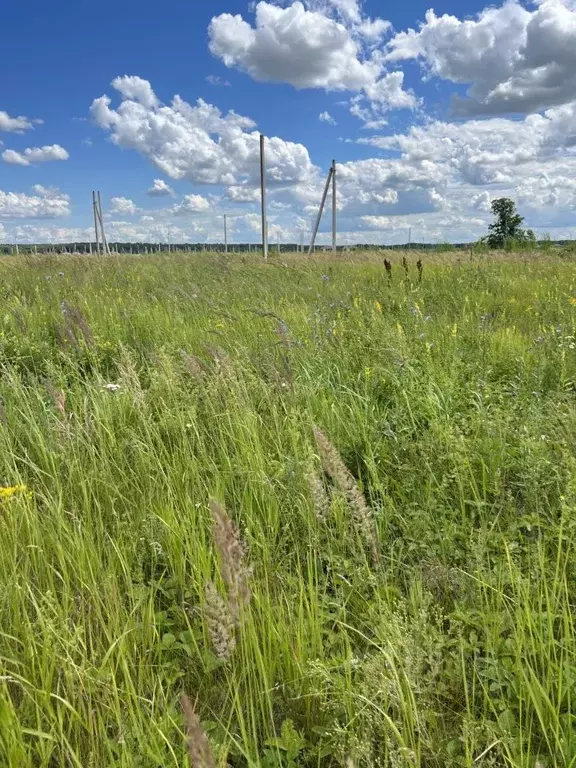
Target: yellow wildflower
column 367, row 371
column 378, row 306
column 8, row 491
column 572, row 300
column 455, row 329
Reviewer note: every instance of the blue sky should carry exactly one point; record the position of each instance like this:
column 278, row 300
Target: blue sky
column 372, row 86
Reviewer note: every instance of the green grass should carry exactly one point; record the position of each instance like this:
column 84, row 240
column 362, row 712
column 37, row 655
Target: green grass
column 452, row 402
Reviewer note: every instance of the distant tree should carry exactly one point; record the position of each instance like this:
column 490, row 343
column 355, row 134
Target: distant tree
column 507, row 229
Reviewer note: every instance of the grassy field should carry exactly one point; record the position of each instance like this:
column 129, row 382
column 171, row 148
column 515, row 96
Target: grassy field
column 337, row 512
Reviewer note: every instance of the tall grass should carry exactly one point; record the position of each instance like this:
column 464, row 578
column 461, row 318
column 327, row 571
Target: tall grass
column 295, row 514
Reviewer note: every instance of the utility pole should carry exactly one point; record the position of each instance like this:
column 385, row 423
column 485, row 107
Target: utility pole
column 334, row 248
column 95, row 224
column 263, row 196
column 105, row 247
column 321, row 209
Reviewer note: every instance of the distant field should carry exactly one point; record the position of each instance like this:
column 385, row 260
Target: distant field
column 398, row 457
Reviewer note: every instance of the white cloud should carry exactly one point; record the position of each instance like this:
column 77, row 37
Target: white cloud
column 35, row 155
column 293, row 45
column 46, row 204
column 217, row 80
column 310, row 48
column 514, row 60
column 123, row 206
column 197, row 143
column 15, row 124
column 243, row 194
column 160, row 189
column 50, row 193
column 326, row 117
column 191, row 204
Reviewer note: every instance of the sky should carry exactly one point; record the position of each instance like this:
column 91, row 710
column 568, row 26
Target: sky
column 430, row 111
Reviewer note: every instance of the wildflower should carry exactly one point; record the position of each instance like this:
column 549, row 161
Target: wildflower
column 9, row 491
column 199, row 749
column 572, row 300
column 111, row 387
column 344, row 480
column 368, row 372
column 325, row 278
column 378, row 306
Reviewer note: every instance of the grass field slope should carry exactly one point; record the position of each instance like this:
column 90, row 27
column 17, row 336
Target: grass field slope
column 303, row 513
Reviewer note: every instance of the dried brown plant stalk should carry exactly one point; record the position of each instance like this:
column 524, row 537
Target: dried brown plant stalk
column 199, row 749
column 345, row 481
column 232, row 554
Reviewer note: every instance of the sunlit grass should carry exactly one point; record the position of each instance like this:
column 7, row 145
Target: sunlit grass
column 133, row 391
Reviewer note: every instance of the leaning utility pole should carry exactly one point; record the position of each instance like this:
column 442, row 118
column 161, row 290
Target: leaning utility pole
column 331, row 178
column 105, row 245
column 95, row 209
column 263, row 196
column 99, row 225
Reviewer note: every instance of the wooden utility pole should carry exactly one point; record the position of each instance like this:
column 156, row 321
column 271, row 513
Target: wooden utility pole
column 105, row 246
column 334, row 248
column 94, row 206
column 321, row 209
column 263, row 196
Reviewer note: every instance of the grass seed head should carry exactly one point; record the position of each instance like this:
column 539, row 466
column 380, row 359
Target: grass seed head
column 345, row 481
column 199, row 749
column 232, row 552
column 219, row 623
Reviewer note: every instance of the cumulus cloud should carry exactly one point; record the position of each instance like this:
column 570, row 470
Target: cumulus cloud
column 326, row 117
column 191, row 204
column 243, row 194
column 50, row 193
column 309, row 47
column 197, row 143
column 35, row 155
column 15, row 124
column 514, row 60
column 45, row 204
column 123, row 206
column 160, row 189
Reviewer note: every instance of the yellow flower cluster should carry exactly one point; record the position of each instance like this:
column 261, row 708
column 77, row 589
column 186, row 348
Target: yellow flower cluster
column 9, row 491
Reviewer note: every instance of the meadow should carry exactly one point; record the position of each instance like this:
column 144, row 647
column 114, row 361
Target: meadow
column 303, row 513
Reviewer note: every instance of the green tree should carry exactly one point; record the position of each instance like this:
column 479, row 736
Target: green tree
column 507, row 229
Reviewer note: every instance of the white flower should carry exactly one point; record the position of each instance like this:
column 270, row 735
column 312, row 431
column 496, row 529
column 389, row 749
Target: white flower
column 111, row 387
